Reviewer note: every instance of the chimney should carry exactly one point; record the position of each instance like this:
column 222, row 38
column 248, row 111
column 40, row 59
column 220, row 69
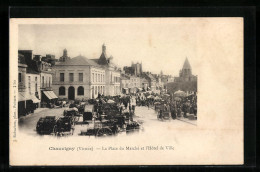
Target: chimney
column 37, row 57
column 28, row 55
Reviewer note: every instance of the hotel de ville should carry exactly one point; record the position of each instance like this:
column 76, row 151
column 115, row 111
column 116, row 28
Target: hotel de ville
column 83, row 78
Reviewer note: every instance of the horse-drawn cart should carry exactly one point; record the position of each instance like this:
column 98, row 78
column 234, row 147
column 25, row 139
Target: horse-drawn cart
column 64, row 125
column 46, row 125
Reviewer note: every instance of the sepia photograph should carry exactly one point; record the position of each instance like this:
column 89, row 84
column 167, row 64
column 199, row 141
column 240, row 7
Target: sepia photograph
column 125, row 91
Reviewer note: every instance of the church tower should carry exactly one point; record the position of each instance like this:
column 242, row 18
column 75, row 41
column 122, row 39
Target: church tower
column 186, row 69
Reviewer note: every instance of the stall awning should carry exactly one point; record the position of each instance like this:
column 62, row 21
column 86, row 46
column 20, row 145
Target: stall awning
column 50, row 95
column 35, row 99
column 22, row 97
column 47, row 94
column 53, row 94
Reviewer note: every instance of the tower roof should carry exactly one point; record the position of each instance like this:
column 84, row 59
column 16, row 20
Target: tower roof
column 186, row 64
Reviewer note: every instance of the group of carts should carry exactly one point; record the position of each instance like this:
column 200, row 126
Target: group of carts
column 107, row 120
column 58, row 125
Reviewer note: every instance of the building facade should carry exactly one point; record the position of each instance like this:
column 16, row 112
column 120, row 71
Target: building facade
column 78, row 78
column 39, row 73
column 28, row 86
column 151, row 81
column 82, row 78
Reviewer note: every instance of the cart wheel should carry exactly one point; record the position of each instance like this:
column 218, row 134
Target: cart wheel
column 104, row 132
column 100, row 132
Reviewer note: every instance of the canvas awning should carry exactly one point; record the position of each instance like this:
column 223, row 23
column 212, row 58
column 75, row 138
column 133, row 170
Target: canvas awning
column 22, row 97
column 50, row 95
column 35, row 99
column 53, row 94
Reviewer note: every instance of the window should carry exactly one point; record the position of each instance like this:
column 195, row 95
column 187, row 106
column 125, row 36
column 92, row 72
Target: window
column 20, row 77
column 92, row 92
column 71, row 77
column 95, row 89
column 96, row 78
column 36, row 84
column 80, row 91
column 92, row 77
column 61, row 77
column 62, row 91
column 49, row 81
column 42, row 81
column 81, row 77
column 29, row 84
column 103, row 78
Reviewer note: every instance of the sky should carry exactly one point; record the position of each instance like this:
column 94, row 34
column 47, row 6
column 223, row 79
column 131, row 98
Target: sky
column 159, row 46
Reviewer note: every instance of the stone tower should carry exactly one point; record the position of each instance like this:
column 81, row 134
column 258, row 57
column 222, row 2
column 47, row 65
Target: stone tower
column 103, row 57
column 186, row 69
column 64, row 57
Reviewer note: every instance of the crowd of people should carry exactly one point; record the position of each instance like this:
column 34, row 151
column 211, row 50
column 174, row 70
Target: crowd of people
column 178, row 107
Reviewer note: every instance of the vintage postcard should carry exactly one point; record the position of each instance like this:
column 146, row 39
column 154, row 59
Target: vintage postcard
column 126, row 91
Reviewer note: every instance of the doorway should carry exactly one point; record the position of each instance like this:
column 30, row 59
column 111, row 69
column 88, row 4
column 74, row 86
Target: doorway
column 71, row 95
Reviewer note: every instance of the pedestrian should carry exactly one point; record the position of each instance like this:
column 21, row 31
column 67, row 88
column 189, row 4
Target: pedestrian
column 179, row 112
column 133, row 104
column 195, row 110
column 130, row 107
column 172, row 109
column 148, row 103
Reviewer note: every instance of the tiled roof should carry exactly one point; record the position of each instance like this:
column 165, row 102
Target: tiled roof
column 79, row 61
column 150, row 76
column 124, row 76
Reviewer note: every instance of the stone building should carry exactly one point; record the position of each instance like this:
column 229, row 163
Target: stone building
column 39, row 73
column 83, row 78
column 185, row 73
column 130, row 84
column 112, row 73
column 28, row 86
column 125, row 82
column 151, row 81
column 49, row 58
column 134, row 69
column 186, row 81
column 78, row 78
